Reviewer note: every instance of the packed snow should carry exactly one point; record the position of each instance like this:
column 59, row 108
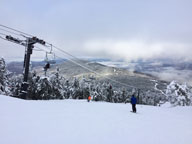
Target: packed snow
column 80, row 122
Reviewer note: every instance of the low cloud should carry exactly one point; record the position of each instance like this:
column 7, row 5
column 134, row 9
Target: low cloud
column 176, row 75
column 137, row 49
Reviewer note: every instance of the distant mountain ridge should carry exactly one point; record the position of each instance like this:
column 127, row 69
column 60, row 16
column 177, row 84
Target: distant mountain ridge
column 163, row 69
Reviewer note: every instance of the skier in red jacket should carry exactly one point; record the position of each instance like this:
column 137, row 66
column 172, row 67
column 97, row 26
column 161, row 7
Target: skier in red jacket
column 89, row 98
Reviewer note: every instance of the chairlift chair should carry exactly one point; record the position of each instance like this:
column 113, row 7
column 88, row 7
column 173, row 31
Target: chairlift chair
column 50, row 58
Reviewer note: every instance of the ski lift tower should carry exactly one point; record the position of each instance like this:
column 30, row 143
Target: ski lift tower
column 29, row 49
column 29, row 44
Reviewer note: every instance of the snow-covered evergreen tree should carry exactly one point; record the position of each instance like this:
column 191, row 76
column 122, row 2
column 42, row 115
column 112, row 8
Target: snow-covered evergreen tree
column 44, row 89
column 179, row 94
column 33, row 87
column 4, row 80
column 57, row 82
column 67, row 89
column 109, row 93
column 77, row 92
column 15, row 83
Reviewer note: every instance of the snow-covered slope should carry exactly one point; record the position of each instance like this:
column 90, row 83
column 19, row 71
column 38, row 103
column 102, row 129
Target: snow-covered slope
column 80, row 122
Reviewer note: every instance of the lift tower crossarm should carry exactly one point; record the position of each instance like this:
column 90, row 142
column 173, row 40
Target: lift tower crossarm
column 15, row 40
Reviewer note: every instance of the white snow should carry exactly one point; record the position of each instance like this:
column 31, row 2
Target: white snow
column 80, row 122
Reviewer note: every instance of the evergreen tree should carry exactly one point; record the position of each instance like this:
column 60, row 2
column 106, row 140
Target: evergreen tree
column 109, row 94
column 76, row 90
column 44, row 89
column 86, row 93
column 57, row 85
column 33, row 87
column 178, row 94
column 4, row 79
column 67, row 89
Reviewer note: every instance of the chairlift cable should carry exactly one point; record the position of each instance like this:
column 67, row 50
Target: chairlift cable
column 16, row 30
column 3, row 34
column 10, row 32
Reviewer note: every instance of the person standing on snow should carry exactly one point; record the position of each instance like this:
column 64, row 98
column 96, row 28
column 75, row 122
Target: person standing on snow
column 134, row 102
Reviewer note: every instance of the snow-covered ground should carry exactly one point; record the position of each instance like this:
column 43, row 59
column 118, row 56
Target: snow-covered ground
column 80, row 122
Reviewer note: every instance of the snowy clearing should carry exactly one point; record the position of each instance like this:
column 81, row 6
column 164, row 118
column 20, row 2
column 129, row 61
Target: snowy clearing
column 80, row 122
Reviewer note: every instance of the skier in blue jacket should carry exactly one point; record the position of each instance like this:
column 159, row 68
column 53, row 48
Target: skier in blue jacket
column 134, row 102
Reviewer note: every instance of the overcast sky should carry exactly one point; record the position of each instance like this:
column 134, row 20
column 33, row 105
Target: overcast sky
column 117, row 29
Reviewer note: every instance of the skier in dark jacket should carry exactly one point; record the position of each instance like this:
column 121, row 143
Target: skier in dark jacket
column 134, row 102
